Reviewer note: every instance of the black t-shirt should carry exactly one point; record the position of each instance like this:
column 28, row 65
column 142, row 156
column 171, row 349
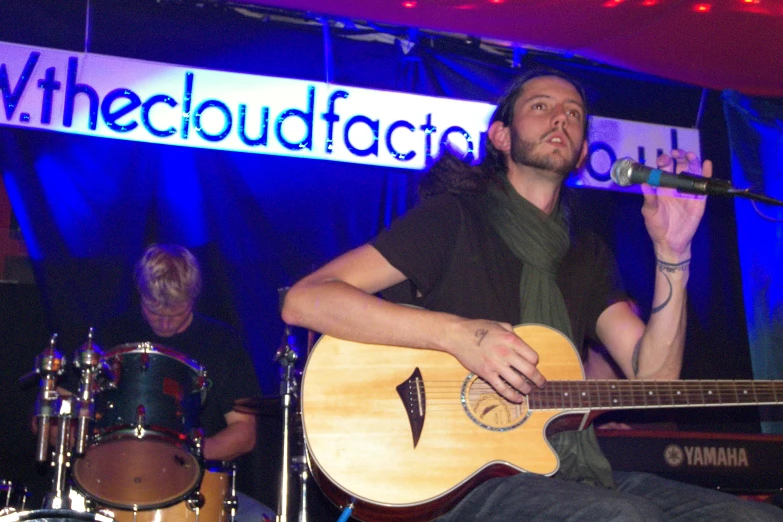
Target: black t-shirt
column 209, row 343
column 455, row 262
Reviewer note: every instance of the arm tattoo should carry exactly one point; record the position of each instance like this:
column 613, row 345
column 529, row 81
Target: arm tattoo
column 479, row 335
column 663, row 266
column 635, row 358
column 669, row 268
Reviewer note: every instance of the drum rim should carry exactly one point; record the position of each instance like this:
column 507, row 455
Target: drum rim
column 146, row 507
column 57, row 514
column 150, row 347
column 130, row 431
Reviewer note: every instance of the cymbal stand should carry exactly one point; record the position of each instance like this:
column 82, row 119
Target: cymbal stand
column 301, row 468
column 286, row 356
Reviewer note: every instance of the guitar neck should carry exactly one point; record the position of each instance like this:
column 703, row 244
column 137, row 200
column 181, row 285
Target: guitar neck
column 625, row 394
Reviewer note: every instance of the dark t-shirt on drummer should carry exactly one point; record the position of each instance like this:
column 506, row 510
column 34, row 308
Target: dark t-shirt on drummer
column 209, row 343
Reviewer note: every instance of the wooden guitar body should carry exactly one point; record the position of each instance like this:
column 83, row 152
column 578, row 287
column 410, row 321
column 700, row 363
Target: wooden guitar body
column 402, row 443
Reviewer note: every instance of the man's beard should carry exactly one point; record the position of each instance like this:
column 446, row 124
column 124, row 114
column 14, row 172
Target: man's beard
column 522, row 154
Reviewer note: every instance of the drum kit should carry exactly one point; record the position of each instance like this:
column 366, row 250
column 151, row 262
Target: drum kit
column 126, row 447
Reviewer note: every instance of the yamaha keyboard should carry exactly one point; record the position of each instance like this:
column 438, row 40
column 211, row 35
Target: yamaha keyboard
column 737, row 463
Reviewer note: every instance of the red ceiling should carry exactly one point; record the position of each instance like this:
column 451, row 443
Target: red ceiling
column 720, row 44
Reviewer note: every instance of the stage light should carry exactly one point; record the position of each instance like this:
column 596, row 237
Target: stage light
column 612, row 3
column 702, row 8
column 409, row 4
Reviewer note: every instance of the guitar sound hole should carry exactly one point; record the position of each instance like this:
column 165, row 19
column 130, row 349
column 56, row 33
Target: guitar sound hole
column 490, row 410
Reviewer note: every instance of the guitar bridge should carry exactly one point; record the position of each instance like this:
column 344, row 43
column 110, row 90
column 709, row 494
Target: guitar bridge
column 414, row 400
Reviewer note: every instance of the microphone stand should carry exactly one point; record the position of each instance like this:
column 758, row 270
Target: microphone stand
column 287, row 357
column 746, row 193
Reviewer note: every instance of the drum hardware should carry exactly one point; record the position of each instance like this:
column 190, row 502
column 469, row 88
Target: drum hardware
column 58, row 497
column 141, row 420
column 195, row 501
column 14, row 497
column 50, row 364
column 61, row 502
column 59, row 515
column 231, row 502
column 300, row 466
column 197, row 440
column 88, row 360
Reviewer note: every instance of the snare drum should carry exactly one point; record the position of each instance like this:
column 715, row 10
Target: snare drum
column 143, row 453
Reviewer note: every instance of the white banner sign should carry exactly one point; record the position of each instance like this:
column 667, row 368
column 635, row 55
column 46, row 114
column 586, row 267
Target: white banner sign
column 120, row 98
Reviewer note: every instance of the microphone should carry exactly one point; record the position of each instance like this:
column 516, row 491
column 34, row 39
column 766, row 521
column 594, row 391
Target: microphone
column 626, row 172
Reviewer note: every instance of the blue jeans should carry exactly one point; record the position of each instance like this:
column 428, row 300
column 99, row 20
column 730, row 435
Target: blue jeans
column 639, row 496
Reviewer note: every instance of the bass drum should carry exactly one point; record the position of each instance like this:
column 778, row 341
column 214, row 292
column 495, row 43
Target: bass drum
column 211, row 502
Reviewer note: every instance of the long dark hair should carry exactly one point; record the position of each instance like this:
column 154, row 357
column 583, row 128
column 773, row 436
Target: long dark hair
column 449, row 173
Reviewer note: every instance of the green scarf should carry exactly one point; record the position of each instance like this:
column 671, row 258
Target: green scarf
column 541, row 242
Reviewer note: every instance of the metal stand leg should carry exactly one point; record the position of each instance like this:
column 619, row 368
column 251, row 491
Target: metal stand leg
column 301, row 468
column 287, row 357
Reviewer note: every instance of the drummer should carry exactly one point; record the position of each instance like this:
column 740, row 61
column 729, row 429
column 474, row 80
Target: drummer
column 168, row 281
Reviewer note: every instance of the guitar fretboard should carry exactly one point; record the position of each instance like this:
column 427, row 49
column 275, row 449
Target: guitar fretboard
column 620, row 394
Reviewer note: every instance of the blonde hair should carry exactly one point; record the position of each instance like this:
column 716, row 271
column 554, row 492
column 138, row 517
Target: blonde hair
column 168, row 275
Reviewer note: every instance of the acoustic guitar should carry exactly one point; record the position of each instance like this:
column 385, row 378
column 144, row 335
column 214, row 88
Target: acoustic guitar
column 404, row 434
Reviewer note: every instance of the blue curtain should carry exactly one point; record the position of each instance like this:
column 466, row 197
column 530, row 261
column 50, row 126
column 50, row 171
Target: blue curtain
column 756, row 138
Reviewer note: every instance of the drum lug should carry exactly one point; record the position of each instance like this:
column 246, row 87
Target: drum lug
column 106, row 512
column 113, row 372
column 202, row 385
column 195, row 501
column 141, row 420
column 232, row 504
column 197, row 436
